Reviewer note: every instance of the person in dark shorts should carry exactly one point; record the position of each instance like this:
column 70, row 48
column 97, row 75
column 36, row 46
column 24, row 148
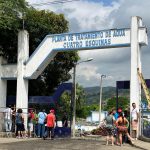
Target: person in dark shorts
column 65, row 120
column 20, row 124
column 50, row 124
column 109, row 120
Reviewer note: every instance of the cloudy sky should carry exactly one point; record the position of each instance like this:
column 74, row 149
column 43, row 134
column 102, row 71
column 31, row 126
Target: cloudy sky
column 91, row 15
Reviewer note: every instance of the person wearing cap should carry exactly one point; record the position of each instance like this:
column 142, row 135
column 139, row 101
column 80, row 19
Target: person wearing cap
column 50, row 124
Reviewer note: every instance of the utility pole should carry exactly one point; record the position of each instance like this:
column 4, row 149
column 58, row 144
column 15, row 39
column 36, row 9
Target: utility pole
column 74, row 101
column 100, row 97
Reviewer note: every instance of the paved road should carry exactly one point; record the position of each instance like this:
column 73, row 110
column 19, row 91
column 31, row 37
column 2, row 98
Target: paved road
column 59, row 144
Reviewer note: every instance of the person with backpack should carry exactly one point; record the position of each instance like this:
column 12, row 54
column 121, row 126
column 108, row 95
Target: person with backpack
column 41, row 123
column 109, row 121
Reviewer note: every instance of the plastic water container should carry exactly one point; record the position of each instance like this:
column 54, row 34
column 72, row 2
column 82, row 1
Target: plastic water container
column 59, row 123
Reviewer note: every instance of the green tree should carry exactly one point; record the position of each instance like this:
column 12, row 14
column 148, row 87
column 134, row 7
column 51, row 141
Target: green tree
column 38, row 24
column 64, row 104
column 123, row 102
column 93, row 107
column 88, row 108
column 57, row 71
column 10, row 12
column 80, row 102
column 82, row 110
column 10, row 23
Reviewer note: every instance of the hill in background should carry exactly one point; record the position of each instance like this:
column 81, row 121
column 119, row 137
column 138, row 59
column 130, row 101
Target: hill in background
column 92, row 94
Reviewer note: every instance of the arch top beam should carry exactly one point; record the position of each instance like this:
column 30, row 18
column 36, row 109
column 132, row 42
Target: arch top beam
column 52, row 44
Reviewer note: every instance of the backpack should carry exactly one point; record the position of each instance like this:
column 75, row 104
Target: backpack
column 110, row 120
column 19, row 119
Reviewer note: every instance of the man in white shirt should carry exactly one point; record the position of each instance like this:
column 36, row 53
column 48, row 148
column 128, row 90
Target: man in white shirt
column 8, row 118
column 134, row 120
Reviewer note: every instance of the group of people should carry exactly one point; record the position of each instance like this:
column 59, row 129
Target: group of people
column 42, row 124
column 118, row 123
column 38, row 125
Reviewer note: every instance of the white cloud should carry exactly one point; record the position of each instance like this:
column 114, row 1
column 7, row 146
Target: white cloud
column 84, row 15
column 88, row 72
column 88, row 15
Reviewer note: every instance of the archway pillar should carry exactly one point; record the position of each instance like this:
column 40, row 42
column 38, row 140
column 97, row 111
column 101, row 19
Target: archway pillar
column 22, row 84
column 3, row 93
column 135, row 85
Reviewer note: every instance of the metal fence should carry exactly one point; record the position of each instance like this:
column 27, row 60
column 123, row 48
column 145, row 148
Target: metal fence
column 145, row 123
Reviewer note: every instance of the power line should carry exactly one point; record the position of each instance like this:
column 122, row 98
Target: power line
column 53, row 2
